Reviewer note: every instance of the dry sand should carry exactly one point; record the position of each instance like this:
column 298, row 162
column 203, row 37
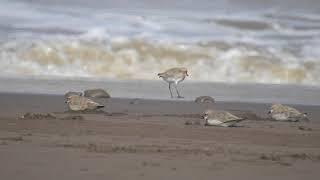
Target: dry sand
column 149, row 139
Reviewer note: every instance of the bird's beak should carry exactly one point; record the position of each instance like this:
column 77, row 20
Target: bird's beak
column 187, row 73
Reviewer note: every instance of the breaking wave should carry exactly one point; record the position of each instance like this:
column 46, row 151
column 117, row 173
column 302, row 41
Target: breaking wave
column 96, row 54
column 216, row 42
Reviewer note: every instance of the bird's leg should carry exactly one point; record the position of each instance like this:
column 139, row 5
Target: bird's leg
column 177, row 91
column 170, row 90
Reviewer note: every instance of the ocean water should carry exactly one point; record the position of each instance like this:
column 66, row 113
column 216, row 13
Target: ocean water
column 234, row 41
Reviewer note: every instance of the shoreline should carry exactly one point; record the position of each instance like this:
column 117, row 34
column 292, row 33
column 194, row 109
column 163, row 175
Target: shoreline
column 158, row 90
column 33, row 102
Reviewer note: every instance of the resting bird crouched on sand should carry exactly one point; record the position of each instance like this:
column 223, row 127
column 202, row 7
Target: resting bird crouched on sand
column 281, row 112
column 204, row 99
column 221, row 118
column 96, row 93
column 174, row 76
column 80, row 103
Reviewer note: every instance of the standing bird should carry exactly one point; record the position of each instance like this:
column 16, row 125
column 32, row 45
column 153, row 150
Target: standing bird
column 80, row 103
column 281, row 112
column 221, row 118
column 174, row 76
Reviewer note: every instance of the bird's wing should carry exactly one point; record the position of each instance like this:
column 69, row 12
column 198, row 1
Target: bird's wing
column 293, row 112
column 231, row 117
column 172, row 72
column 92, row 103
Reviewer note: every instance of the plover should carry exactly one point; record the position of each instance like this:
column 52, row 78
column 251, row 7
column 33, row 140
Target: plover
column 80, row 103
column 282, row 112
column 221, row 118
column 96, row 93
column 204, row 99
column 174, row 76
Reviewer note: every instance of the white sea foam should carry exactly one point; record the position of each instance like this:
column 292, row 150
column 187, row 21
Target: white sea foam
column 90, row 55
column 64, row 41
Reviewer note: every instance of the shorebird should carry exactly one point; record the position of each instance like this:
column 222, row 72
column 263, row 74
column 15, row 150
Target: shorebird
column 96, row 93
column 80, row 103
column 221, row 118
column 174, row 76
column 281, row 112
column 204, row 99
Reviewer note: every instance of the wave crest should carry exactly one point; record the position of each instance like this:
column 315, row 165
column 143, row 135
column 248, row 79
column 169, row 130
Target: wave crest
column 142, row 58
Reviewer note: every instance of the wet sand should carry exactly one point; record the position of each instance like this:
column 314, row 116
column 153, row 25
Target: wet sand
column 149, row 139
column 158, row 89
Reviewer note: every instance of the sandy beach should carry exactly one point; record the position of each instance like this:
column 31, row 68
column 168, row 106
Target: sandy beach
column 246, row 54
column 151, row 139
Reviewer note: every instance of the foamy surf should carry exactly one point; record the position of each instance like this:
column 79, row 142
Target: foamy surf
column 254, row 47
column 141, row 58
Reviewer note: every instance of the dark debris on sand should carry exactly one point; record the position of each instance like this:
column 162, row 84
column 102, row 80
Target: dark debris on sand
column 73, row 117
column 303, row 128
column 115, row 114
column 271, row 157
column 283, row 158
column 49, row 116
column 135, row 101
column 38, row 116
column 192, row 122
column 86, row 112
column 15, row 138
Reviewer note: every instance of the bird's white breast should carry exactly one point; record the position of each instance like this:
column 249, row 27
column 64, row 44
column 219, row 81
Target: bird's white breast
column 280, row 116
column 214, row 122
